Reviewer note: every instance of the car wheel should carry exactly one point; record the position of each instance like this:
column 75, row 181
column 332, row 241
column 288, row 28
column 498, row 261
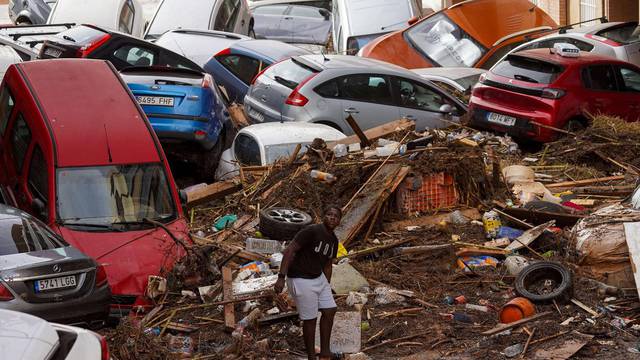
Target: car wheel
column 252, row 33
column 574, row 126
column 544, row 281
column 283, row 224
column 23, row 22
column 209, row 161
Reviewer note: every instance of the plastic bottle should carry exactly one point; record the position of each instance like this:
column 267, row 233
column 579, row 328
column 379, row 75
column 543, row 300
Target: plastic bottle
column 246, row 322
column 492, row 223
column 340, row 150
column 323, row 176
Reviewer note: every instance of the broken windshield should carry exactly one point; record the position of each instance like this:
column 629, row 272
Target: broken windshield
column 119, row 194
column 444, row 43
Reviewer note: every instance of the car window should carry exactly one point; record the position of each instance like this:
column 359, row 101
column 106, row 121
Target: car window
column 244, row 67
column 6, row 107
column 417, row 96
column 82, row 35
column 270, row 10
column 328, row 89
column 289, row 73
column 528, row 69
column 174, row 60
column 444, row 43
column 247, row 150
column 600, row 77
column 443, row 85
column 625, row 34
column 20, row 140
column 306, row 11
column 227, row 14
column 500, row 53
column 630, row 80
column 38, row 179
column 365, row 87
column 134, row 55
column 126, row 18
column 21, row 235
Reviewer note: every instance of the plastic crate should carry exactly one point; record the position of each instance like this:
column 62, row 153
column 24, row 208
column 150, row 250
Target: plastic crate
column 426, row 193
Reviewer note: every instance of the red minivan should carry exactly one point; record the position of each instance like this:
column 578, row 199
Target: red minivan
column 79, row 153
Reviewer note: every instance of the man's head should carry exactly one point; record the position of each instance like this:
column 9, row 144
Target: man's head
column 332, row 216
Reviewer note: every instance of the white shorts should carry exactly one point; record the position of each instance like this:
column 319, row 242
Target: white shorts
column 311, row 295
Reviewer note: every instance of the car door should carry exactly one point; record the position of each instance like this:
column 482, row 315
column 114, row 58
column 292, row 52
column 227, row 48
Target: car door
column 368, row 98
column 227, row 17
column 423, row 103
column 126, row 19
column 268, row 19
column 600, row 83
column 19, row 139
column 243, row 25
column 629, row 99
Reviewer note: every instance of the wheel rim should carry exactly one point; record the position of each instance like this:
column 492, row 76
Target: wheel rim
column 287, row 216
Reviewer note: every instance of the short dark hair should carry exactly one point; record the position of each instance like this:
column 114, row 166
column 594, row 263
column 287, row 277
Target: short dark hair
column 333, row 207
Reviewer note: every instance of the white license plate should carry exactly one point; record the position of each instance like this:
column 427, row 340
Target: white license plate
column 501, row 119
column 155, row 100
column 52, row 52
column 55, row 283
column 256, row 115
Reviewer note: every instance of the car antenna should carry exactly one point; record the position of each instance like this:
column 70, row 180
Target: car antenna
column 108, row 146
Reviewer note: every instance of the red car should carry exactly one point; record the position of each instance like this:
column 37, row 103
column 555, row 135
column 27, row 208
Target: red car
column 78, row 153
column 558, row 88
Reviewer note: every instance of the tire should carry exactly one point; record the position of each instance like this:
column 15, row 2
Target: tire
column 574, row 126
column 283, row 223
column 252, row 33
column 23, row 22
column 530, row 282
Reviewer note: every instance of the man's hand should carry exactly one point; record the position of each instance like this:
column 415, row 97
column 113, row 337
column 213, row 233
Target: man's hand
column 279, row 285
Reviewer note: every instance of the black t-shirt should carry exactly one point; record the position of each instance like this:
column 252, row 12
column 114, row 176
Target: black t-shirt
column 317, row 246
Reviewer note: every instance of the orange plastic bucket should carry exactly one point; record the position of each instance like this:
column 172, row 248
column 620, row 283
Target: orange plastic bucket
column 516, row 309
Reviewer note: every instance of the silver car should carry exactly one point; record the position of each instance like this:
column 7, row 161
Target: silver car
column 30, row 12
column 328, row 89
column 42, row 275
column 452, row 79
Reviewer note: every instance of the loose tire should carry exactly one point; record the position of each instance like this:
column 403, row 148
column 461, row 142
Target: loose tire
column 283, row 224
column 545, row 281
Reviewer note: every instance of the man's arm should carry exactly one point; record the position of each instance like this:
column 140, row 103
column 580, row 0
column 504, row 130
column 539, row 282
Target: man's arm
column 328, row 269
column 287, row 257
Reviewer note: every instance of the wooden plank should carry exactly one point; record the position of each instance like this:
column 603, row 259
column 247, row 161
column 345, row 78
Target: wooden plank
column 502, row 327
column 472, row 214
column 217, row 190
column 377, row 132
column 364, row 141
column 362, row 207
column 632, row 235
column 529, row 236
column 227, row 291
column 585, row 182
column 540, row 217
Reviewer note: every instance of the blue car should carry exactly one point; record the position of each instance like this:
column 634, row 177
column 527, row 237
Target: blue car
column 235, row 67
column 186, row 111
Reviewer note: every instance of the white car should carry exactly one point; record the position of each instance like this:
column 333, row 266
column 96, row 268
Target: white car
column 620, row 40
column 452, row 79
column 198, row 45
column 121, row 15
column 8, row 56
column 263, row 144
column 27, row 337
column 224, row 15
column 357, row 22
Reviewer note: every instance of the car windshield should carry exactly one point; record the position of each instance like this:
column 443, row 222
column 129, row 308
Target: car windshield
column 444, row 43
column 22, row 234
column 175, row 14
column 527, row 69
column 626, row 34
column 119, row 194
column 275, row 152
column 81, row 35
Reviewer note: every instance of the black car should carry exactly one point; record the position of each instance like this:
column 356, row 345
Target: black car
column 42, row 275
column 122, row 50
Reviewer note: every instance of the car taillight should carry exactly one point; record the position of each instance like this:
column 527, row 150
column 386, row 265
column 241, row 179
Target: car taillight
column 482, row 78
column 199, row 134
column 89, row 48
column 101, row 276
column 223, row 52
column 5, row 294
column 549, row 93
column 207, row 81
column 104, row 347
column 297, row 99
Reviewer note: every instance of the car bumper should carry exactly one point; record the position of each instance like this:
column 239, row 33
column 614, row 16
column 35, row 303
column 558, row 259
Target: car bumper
column 524, row 127
column 258, row 113
column 185, row 131
column 85, row 310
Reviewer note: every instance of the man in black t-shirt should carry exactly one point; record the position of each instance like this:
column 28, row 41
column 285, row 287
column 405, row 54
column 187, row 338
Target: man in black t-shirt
column 307, row 265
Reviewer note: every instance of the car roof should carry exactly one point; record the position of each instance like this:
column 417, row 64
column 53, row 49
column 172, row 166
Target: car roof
column 584, row 58
column 453, row 73
column 274, row 133
column 592, row 29
column 360, row 12
column 349, row 62
column 198, row 45
column 90, row 113
column 274, row 50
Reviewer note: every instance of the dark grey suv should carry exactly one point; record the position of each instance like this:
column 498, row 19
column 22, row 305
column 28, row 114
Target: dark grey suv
column 42, row 275
column 28, row 12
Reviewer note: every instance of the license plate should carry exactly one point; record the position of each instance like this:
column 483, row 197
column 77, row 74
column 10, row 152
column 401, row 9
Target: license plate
column 55, row 283
column 52, row 52
column 155, row 100
column 256, row 115
column 501, row 119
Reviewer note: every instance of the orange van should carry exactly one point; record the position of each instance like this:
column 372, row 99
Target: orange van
column 473, row 33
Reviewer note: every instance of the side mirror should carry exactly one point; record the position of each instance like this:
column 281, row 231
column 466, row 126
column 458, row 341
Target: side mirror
column 446, row 109
column 40, row 209
column 413, row 20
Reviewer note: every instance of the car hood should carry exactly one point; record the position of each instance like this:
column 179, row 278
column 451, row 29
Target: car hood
column 130, row 257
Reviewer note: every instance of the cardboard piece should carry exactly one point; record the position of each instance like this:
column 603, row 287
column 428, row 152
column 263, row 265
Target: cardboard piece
column 345, row 335
column 564, row 350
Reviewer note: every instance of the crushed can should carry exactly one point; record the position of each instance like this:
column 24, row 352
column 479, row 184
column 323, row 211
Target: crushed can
column 492, row 224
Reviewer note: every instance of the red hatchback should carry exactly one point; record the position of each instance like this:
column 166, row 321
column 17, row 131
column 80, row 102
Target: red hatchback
column 78, row 153
column 558, row 87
